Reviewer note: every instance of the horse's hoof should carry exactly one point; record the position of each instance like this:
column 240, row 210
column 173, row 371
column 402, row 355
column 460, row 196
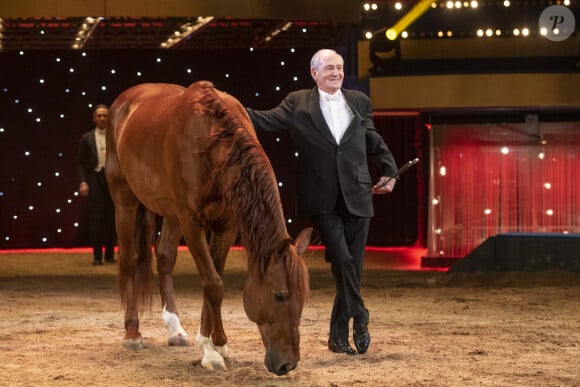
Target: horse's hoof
column 215, row 365
column 133, row 344
column 179, row 341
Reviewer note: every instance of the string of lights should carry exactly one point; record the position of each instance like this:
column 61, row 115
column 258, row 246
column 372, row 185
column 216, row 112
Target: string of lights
column 455, row 19
column 85, row 31
column 186, row 31
column 48, row 102
column 1, row 34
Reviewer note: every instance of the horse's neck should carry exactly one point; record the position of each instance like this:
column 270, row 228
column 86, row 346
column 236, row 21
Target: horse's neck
column 264, row 228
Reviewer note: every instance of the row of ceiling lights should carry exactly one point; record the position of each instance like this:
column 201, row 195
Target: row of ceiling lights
column 91, row 23
column 85, row 31
column 488, row 32
column 186, row 30
column 480, row 33
column 87, row 28
column 450, row 4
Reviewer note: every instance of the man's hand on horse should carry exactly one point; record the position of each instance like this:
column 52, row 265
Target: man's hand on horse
column 384, row 185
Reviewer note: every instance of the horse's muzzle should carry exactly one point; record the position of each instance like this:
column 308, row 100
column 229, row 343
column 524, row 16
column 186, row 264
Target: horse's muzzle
column 278, row 366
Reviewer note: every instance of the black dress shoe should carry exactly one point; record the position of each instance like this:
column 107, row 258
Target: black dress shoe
column 362, row 337
column 340, row 346
column 97, row 263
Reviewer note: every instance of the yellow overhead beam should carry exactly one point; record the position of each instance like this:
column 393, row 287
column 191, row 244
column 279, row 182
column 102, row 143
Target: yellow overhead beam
column 419, row 9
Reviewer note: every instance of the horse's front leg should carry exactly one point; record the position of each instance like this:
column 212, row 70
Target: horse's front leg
column 214, row 348
column 211, row 320
column 166, row 251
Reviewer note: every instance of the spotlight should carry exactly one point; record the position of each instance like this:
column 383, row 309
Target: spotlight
column 410, row 17
column 185, row 31
column 85, row 31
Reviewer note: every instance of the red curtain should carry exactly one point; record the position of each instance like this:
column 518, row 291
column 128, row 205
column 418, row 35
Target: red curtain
column 488, row 179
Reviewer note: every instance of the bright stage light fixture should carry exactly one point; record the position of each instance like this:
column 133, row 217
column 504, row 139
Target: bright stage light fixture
column 415, row 12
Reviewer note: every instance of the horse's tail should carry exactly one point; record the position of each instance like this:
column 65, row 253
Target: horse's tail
column 143, row 272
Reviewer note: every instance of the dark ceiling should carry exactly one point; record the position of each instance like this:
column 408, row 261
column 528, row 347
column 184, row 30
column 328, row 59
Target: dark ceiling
column 176, row 24
column 156, row 32
column 256, row 24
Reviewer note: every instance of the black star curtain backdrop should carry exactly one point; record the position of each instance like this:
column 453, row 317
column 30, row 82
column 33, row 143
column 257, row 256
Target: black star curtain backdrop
column 46, row 104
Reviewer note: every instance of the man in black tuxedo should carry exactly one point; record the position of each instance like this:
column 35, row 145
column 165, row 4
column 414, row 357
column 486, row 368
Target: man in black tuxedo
column 333, row 130
column 93, row 183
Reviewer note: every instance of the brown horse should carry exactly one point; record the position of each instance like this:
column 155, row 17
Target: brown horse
column 191, row 155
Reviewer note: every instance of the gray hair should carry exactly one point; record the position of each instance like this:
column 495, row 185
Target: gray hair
column 316, row 62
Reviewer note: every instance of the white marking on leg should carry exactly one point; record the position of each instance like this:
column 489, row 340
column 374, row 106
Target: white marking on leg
column 212, row 355
column 222, row 350
column 176, row 332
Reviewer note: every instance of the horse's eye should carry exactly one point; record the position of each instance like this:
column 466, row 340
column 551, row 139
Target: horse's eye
column 280, row 297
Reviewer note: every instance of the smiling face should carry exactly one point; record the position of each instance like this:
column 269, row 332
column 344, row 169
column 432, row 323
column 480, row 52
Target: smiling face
column 327, row 70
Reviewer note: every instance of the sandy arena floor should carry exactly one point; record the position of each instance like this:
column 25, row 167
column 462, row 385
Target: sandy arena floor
column 62, row 325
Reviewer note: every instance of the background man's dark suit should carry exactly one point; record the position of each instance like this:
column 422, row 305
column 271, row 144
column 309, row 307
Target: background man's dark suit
column 101, row 207
column 334, row 187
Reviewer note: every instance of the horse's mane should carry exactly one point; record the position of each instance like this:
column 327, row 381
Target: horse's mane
column 252, row 194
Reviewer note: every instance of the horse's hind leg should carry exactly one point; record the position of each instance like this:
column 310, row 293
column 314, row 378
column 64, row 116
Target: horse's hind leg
column 166, row 251
column 135, row 233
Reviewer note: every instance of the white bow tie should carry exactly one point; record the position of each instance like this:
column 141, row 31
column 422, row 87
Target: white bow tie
column 334, row 97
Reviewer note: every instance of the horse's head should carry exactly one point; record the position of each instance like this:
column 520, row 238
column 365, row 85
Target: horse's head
column 275, row 303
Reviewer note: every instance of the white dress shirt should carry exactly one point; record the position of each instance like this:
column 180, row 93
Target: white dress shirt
column 336, row 113
column 101, row 140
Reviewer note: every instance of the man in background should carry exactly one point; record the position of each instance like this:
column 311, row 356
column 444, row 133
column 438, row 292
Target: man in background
column 93, row 184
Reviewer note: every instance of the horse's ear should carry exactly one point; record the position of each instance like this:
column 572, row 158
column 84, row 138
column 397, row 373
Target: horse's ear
column 303, row 240
column 282, row 247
